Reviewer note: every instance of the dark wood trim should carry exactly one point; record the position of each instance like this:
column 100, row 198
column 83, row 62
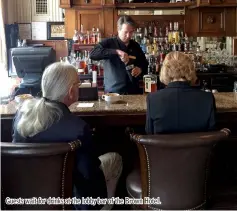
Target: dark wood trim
column 152, row 5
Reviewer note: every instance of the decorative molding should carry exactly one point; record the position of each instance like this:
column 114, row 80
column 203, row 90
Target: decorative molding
column 211, row 19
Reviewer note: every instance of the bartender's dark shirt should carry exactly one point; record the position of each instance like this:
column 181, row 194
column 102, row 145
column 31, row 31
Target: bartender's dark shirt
column 116, row 77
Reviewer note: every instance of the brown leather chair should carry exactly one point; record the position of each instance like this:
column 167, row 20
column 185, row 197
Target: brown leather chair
column 174, row 168
column 37, row 170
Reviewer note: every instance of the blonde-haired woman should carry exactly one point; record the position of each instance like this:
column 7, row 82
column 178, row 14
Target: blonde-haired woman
column 179, row 107
column 48, row 119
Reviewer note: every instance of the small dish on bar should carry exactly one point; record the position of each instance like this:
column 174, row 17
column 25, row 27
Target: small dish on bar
column 23, row 97
column 112, row 97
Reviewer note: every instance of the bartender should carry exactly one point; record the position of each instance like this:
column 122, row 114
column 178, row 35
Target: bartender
column 124, row 60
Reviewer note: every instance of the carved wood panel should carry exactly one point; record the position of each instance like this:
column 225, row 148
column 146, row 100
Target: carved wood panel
column 212, row 20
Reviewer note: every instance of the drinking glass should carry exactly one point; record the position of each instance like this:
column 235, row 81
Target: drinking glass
column 235, row 90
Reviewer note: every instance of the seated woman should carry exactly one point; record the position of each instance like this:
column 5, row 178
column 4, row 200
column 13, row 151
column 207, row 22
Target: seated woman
column 179, row 107
column 48, row 119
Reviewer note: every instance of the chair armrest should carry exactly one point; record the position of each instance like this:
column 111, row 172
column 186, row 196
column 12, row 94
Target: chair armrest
column 181, row 139
column 75, row 144
column 227, row 131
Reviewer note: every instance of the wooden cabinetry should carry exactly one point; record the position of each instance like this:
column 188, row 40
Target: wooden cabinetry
column 87, row 3
column 202, row 18
column 208, row 21
column 101, row 18
column 65, row 3
column 60, row 46
column 221, row 3
column 236, row 21
column 235, row 46
column 90, row 19
column 212, row 21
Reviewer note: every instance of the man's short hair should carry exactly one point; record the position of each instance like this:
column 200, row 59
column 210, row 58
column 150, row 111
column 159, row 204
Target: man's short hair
column 125, row 20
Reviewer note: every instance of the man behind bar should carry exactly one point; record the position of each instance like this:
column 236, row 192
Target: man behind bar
column 124, row 61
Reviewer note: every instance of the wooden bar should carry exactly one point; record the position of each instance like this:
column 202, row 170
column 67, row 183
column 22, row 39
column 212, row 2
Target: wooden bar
column 131, row 111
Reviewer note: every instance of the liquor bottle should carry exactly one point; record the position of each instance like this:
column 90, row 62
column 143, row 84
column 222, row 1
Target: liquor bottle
column 150, row 30
column 136, row 36
column 66, row 60
column 90, row 66
column 150, row 80
column 88, row 37
column 170, row 33
column 93, row 36
column 98, row 35
column 75, row 36
column 176, row 33
column 145, row 32
column 148, row 47
column 155, row 46
column 83, row 62
column 186, row 44
column 81, row 35
column 78, row 63
column 155, row 32
column 143, row 45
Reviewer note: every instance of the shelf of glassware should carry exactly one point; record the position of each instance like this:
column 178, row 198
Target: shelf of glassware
column 81, row 47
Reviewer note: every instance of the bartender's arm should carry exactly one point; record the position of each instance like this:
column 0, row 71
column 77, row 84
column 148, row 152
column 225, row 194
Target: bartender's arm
column 141, row 63
column 105, row 50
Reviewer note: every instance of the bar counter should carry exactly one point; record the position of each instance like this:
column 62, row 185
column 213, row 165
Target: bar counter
column 131, row 111
column 129, row 105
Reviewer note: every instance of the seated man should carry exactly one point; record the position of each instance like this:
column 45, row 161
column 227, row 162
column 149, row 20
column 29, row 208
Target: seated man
column 179, row 108
column 48, row 119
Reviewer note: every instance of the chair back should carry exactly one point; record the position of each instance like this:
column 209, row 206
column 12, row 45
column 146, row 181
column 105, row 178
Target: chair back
column 37, row 175
column 174, row 168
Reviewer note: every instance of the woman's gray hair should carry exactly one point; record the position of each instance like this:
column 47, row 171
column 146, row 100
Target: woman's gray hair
column 38, row 114
column 125, row 20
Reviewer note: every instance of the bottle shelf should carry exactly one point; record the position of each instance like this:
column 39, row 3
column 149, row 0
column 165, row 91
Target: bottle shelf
column 78, row 47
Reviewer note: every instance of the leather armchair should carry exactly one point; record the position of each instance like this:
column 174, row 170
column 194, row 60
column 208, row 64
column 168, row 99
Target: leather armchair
column 173, row 167
column 37, row 170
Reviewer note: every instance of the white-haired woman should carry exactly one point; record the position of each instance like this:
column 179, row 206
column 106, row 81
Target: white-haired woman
column 179, row 107
column 48, row 119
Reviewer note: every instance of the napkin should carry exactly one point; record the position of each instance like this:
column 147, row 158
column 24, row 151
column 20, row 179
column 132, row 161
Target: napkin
column 85, row 105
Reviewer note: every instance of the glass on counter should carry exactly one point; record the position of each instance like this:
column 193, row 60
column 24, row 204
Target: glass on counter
column 235, row 91
column 150, row 80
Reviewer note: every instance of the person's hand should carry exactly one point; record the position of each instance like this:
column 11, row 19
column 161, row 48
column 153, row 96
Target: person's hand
column 123, row 56
column 136, row 71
